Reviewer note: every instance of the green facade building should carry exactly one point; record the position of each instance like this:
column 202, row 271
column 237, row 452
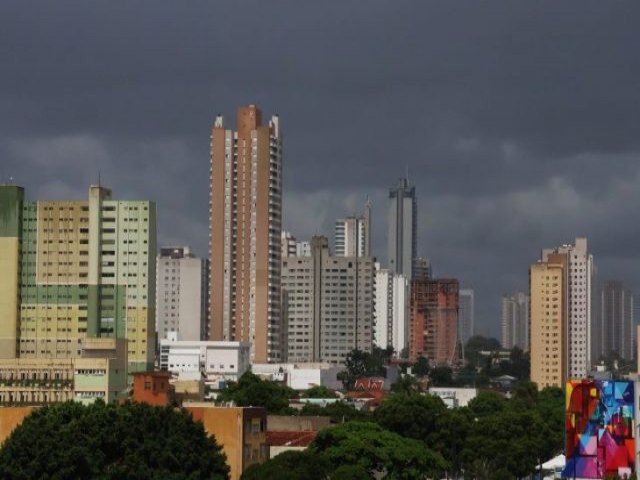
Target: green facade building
column 76, row 270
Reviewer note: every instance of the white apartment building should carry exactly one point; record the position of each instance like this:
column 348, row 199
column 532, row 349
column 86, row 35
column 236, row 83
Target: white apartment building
column 579, row 278
column 353, row 235
column 288, row 245
column 181, row 294
column 392, row 315
column 213, row 361
column 329, row 304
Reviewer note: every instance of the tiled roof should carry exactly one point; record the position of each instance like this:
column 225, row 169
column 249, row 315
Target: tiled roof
column 290, row 439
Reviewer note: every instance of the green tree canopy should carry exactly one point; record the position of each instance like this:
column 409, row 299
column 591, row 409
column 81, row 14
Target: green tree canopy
column 129, row 442
column 477, row 344
column 413, row 415
column 338, row 411
column 376, row 450
column 359, row 363
column 505, row 446
column 487, row 403
column 319, row 391
column 251, row 391
column 421, row 367
column 291, row 466
column 442, row 376
column 406, row 384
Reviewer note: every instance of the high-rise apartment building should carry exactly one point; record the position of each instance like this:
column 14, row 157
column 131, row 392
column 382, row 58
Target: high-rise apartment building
column 434, row 320
column 548, row 319
column 579, row 281
column 245, row 233
column 421, row 268
column 303, row 249
column 613, row 322
column 73, row 270
column 353, row 235
column 402, row 228
column 515, row 321
column 181, row 294
column 288, row 245
column 392, row 310
column 330, row 304
column 466, row 315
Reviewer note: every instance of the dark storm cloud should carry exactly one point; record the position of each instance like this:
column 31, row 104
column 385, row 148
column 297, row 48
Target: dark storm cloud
column 518, row 121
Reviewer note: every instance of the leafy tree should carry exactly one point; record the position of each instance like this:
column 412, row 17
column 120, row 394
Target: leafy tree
column 487, row 403
column 250, row 390
column 477, row 344
column 448, row 438
column 406, row 384
column 339, row 412
column 351, row 472
column 507, row 445
column 132, row 441
column 378, row 451
column 291, row 466
column 421, row 367
column 441, row 376
column 525, row 395
column 320, row 391
column 413, row 416
column 551, row 408
column 359, row 363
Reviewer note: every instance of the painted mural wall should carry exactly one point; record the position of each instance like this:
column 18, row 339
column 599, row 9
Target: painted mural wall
column 600, row 438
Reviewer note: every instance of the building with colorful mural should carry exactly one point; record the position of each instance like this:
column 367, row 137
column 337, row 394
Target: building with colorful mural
column 600, row 429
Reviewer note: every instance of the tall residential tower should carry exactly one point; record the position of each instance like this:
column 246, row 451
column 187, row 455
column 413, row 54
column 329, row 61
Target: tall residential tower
column 76, row 269
column 245, row 233
column 402, row 229
column 353, row 235
column 515, row 321
column 560, row 287
column 181, row 294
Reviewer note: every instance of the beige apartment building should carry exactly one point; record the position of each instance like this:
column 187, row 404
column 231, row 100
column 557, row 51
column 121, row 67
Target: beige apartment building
column 71, row 270
column 548, row 322
column 245, row 234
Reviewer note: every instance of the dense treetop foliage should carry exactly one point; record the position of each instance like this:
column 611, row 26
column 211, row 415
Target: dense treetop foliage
column 128, row 442
column 493, row 438
column 251, row 391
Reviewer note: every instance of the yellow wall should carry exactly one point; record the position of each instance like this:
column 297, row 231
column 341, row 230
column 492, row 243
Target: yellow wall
column 232, row 427
column 50, row 329
column 548, row 323
column 9, row 248
column 10, row 418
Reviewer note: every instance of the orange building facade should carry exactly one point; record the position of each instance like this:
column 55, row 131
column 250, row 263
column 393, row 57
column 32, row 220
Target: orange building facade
column 152, row 388
column 241, row 431
column 433, row 330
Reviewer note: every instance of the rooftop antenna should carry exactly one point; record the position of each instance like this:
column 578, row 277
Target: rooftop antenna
column 99, row 182
column 407, row 167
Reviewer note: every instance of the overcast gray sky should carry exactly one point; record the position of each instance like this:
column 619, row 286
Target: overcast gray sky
column 518, row 121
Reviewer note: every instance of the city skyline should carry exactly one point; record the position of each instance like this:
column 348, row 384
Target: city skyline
column 92, row 112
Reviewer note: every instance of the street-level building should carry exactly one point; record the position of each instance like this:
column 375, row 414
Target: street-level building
column 211, row 361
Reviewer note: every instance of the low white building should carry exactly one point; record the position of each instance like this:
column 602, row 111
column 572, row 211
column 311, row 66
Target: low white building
column 301, row 376
column 454, row 397
column 215, row 362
